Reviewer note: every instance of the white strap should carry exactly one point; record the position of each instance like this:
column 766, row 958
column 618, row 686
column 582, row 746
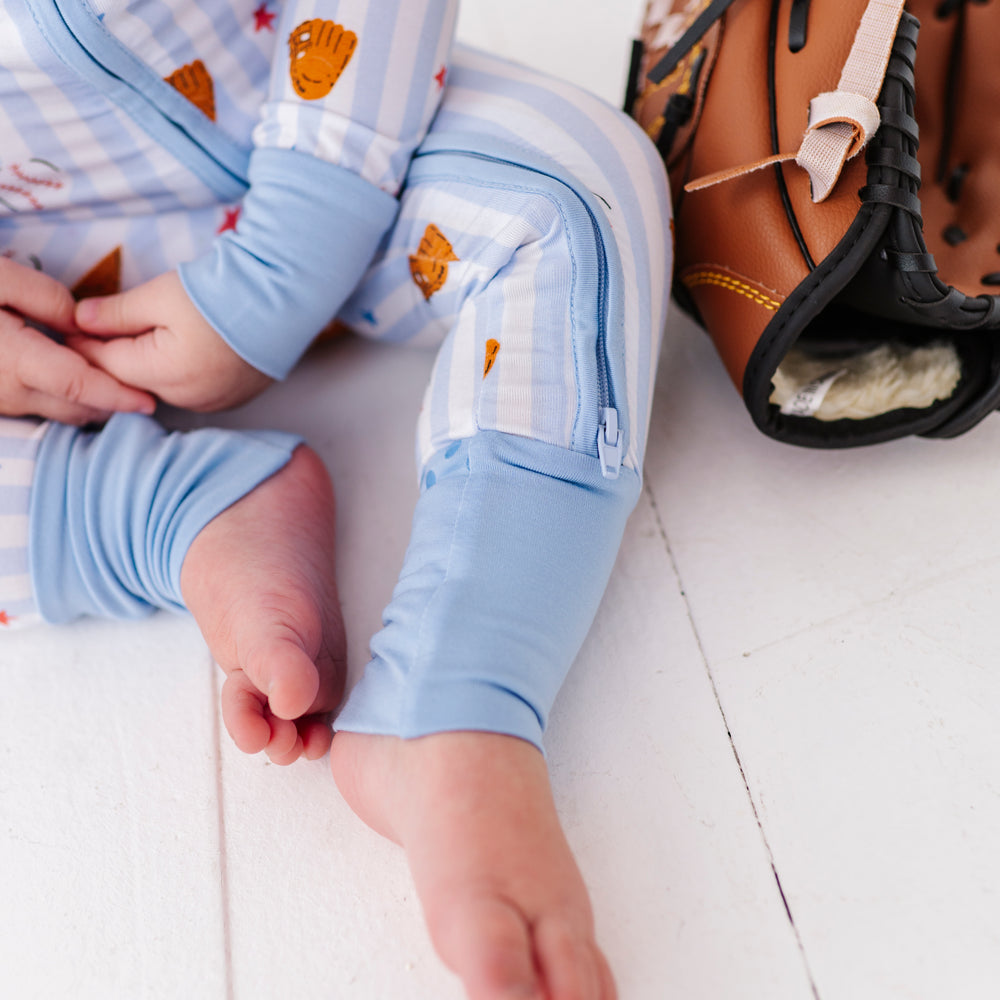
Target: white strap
column 841, row 122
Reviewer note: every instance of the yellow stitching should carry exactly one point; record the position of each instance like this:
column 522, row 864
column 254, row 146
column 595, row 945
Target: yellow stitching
column 692, row 58
column 685, row 66
column 733, row 285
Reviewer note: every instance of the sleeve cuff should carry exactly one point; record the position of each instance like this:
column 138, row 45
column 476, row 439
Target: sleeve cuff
column 307, row 232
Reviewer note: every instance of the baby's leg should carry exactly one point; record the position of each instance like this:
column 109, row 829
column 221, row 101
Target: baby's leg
column 512, row 545
column 238, row 527
column 551, row 284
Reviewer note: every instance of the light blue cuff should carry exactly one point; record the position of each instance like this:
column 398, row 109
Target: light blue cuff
column 113, row 513
column 513, row 543
column 307, row 231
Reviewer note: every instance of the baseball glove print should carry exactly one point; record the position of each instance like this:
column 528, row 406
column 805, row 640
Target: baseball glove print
column 835, row 166
column 319, row 52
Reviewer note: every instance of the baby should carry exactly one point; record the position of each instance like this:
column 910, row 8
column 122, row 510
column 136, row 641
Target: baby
column 215, row 180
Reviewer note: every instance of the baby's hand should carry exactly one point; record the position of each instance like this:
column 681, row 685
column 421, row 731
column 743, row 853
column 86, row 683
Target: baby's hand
column 154, row 337
column 39, row 377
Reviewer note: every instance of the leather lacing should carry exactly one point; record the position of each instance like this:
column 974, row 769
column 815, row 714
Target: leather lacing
column 953, row 179
column 900, row 155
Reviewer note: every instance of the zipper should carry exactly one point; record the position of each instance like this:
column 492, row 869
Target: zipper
column 610, row 433
column 609, row 443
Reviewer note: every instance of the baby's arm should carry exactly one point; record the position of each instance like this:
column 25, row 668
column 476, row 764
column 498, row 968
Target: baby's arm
column 348, row 105
column 40, row 377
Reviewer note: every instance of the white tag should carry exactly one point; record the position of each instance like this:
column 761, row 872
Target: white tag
column 810, row 397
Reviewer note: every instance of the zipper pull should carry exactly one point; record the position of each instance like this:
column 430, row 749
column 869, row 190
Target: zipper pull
column 609, row 443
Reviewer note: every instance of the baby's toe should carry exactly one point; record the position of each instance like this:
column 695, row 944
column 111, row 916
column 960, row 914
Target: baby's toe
column 316, row 738
column 487, row 943
column 285, row 744
column 287, row 757
column 287, row 674
column 572, row 965
column 243, row 713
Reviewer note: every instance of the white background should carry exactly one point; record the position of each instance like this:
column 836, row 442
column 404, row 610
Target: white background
column 778, row 757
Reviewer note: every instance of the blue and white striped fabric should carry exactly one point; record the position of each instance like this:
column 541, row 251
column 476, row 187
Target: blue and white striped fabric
column 143, row 109
column 605, row 152
column 19, row 442
column 58, row 59
column 81, row 176
column 513, row 237
column 374, row 118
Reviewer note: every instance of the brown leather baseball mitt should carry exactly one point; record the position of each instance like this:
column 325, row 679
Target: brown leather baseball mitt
column 847, row 271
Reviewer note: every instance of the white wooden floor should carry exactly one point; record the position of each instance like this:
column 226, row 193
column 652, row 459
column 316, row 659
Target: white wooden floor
column 778, row 757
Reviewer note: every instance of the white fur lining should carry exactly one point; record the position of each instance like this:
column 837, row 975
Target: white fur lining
column 888, row 377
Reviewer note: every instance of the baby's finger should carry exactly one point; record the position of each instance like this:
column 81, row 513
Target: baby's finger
column 38, row 404
column 126, row 313
column 132, row 360
column 60, row 372
column 36, row 296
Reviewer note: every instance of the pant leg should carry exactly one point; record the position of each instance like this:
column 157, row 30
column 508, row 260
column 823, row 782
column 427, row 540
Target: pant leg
column 104, row 519
column 529, row 442
column 19, row 443
column 510, row 552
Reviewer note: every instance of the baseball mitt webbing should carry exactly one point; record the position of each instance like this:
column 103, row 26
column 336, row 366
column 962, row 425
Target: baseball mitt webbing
column 850, row 302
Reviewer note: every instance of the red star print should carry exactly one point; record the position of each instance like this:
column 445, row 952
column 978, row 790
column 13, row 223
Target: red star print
column 441, row 75
column 263, row 18
column 4, row 618
column 232, row 217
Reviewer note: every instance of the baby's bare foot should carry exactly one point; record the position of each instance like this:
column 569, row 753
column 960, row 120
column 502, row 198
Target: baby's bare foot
column 259, row 580
column 505, row 903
